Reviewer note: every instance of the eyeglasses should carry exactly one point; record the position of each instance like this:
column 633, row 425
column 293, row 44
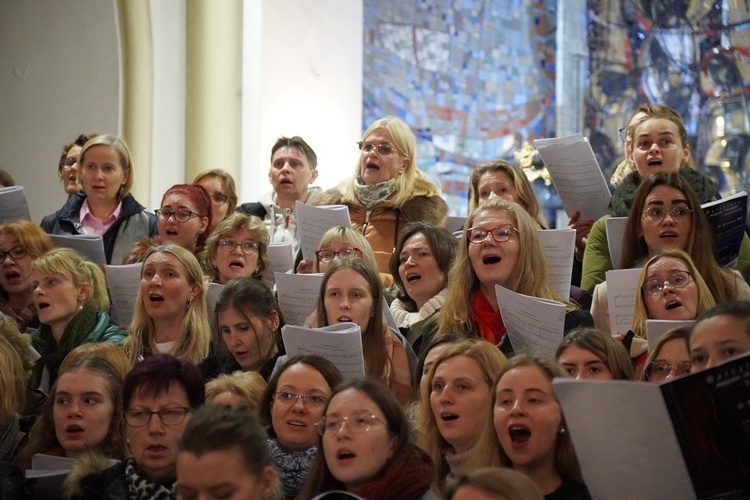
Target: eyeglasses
column 655, row 215
column 181, row 215
column 345, row 252
column 383, row 149
column 69, row 161
column 623, row 133
column 289, row 398
column 678, row 279
column 358, row 422
column 168, row 416
column 219, row 198
column 247, row 247
column 659, row 370
column 500, row 234
column 16, row 253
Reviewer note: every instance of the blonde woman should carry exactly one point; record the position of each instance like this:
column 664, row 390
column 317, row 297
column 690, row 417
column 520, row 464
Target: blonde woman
column 455, row 408
column 499, row 247
column 15, row 358
column 170, row 309
column 72, row 299
column 387, row 189
column 338, row 243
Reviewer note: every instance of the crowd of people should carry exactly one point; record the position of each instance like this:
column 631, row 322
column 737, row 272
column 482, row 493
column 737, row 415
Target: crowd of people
column 187, row 403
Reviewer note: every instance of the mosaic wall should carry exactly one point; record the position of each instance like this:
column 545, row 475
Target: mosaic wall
column 691, row 55
column 474, row 79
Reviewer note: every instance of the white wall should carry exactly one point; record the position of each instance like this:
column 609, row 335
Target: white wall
column 303, row 76
column 59, row 77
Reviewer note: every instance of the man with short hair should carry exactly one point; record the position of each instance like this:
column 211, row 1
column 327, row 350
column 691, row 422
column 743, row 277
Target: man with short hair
column 293, row 169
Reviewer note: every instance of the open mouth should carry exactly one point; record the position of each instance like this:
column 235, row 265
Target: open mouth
column 668, row 234
column 519, row 434
column 491, row 259
column 655, row 162
column 155, row 298
column 411, row 278
column 285, row 181
column 74, row 428
column 345, row 455
column 447, row 417
column 13, row 275
column 237, row 264
column 372, row 166
column 42, row 305
column 673, row 305
column 344, row 319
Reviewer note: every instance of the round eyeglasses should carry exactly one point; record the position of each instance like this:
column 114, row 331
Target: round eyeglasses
column 344, row 252
column 679, row 279
column 656, row 215
column 289, row 398
column 358, row 422
column 180, row 215
column 247, row 247
column 660, row 370
column 500, row 234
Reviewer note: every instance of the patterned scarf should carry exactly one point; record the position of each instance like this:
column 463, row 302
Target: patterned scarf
column 140, row 487
column 370, row 196
column 292, row 467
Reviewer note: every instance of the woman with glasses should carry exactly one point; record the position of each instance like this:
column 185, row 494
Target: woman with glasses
column 419, row 266
column 339, row 242
column 292, row 405
column 105, row 206
column 500, row 247
column 668, row 358
column 71, row 296
column 351, row 292
column 659, row 145
column 666, row 214
column 170, row 308
column 248, row 322
column 223, row 192
column 159, row 395
column 387, row 189
column 237, row 249
column 364, row 439
column 20, row 243
column 183, row 219
column 67, row 169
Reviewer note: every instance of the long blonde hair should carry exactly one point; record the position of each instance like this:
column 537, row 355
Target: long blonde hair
column 529, row 277
column 16, row 362
column 68, row 262
column 483, row 453
column 195, row 331
column 412, row 182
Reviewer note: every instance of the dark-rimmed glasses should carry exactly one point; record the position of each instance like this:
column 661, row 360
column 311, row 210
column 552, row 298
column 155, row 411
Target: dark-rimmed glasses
column 500, row 234
column 358, row 422
column 247, row 247
column 169, row 416
column 15, row 253
column 289, row 398
column 344, row 252
column 678, row 279
column 655, row 215
column 180, row 215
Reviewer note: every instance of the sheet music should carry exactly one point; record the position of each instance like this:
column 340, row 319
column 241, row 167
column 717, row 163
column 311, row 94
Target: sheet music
column 655, row 328
column 341, row 344
column 313, row 222
column 212, row 295
column 91, row 246
column 297, row 295
column 123, row 282
column 534, row 325
column 454, row 224
column 621, row 290
column 615, row 227
column 559, row 247
column 13, row 204
column 576, row 175
column 282, row 260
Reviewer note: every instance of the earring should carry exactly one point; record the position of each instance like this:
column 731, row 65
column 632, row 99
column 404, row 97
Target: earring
column 562, row 430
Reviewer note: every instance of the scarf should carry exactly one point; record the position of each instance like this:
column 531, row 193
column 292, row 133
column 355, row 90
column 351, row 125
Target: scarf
column 456, row 461
column 24, row 316
column 408, row 476
column 140, row 487
column 489, row 321
column 405, row 318
column 9, row 430
column 53, row 352
column 623, row 196
column 370, row 196
column 292, row 467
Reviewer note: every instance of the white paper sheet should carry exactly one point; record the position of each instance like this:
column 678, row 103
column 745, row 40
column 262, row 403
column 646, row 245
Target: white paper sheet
column 297, row 295
column 313, row 222
column 534, row 325
column 91, row 246
column 655, row 328
column 282, row 260
column 621, row 290
column 212, row 295
column 341, row 344
column 13, row 204
column 123, row 282
column 576, row 175
column 559, row 247
column 615, row 227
